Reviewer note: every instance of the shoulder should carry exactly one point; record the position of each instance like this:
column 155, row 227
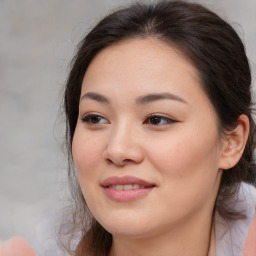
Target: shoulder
column 250, row 242
column 237, row 237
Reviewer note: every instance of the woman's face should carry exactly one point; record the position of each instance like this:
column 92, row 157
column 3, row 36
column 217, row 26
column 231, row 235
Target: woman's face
column 146, row 145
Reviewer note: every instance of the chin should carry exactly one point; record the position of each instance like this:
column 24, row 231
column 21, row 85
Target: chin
column 131, row 232
column 128, row 229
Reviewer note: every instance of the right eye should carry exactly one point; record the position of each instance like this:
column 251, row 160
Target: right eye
column 94, row 119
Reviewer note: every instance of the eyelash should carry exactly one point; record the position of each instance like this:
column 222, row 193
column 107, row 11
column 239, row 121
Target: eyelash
column 150, row 120
column 156, row 118
column 88, row 119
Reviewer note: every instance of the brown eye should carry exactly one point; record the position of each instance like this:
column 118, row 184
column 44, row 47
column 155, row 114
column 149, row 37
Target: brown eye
column 158, row 120
column 94, row 119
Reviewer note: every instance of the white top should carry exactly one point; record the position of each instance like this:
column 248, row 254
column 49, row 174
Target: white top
column 231, row 235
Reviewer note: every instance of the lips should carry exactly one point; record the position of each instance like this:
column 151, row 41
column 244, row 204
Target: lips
column 126, row 180
column 126, row 188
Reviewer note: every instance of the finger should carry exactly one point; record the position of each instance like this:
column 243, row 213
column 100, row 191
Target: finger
column 16, row 246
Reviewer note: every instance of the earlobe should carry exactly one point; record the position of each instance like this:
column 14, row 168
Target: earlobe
column 234, row 144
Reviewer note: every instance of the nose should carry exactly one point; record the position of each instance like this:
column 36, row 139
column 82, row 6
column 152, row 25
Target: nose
column 123, row 147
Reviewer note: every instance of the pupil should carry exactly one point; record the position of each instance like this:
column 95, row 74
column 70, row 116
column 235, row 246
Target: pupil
column 95, row 119
column 155, row 120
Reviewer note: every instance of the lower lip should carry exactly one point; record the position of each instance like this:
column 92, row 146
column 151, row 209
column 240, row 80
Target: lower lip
column 126, row 195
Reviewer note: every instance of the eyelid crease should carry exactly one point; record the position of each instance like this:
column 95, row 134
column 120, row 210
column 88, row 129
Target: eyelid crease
column 167, row 119
column 155, row 119
column 86, row 119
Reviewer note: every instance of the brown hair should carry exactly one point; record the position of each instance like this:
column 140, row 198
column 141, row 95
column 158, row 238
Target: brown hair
column 216, row 51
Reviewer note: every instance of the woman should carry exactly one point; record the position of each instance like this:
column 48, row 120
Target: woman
column 159, row 128
column 160, row 131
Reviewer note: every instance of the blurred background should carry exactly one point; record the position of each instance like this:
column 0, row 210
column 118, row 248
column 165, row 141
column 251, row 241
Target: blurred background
column 37, row 42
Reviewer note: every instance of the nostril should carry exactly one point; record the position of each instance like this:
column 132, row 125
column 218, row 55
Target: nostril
column 119, row 163
column 126, row 161
column 109, row 161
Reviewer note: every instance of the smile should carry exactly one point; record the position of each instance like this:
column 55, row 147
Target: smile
column 127, row 188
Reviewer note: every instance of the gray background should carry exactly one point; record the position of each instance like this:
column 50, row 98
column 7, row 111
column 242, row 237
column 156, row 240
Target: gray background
column 37, row 41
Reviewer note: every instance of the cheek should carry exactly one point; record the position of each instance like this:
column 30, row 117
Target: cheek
column 189, row 168
column 187, row 156
column 86, row 151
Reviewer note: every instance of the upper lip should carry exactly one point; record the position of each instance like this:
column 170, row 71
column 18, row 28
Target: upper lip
column 114, row 180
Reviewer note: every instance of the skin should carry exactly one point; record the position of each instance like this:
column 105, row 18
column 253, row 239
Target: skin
column 16, row 246
column 250, row 245
column 183, row 155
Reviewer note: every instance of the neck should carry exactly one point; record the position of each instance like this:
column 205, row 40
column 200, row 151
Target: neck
column 191, row 238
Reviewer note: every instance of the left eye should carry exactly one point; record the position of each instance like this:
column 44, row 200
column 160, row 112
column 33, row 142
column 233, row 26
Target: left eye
column 158, row 120
column 93, row 119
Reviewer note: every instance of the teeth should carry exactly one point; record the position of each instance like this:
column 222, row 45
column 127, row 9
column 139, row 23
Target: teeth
column 136, row 186
column 127, row 187
column 119, row 187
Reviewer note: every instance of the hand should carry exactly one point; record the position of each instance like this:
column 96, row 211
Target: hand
column 16, row 246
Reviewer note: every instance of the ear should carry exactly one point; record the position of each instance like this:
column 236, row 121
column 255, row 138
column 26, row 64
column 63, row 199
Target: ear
column 234, row 143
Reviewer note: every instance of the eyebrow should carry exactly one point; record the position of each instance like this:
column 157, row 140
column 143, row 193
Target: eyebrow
column 158, row 96
column 146, row 99
column 95, row 96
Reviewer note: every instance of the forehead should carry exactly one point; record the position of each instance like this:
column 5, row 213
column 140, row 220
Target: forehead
column 141, row 66
column 147, row 55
